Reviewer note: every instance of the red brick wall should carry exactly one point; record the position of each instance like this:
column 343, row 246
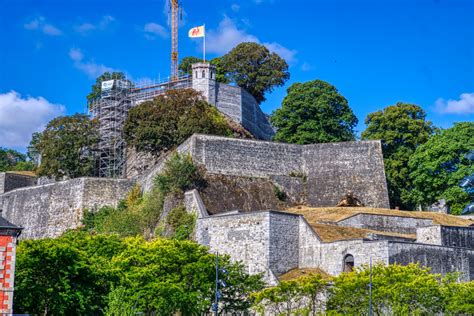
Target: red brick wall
column 7, row 273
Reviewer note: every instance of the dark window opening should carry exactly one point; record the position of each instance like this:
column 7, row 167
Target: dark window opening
column 348, row 263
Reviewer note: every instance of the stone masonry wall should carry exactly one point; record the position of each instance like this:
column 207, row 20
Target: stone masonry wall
column 49, row 210
column 334, row 168
column 284, row 239
column 440, row 259
column 397, row 224
column 10, row 181
column 305, row 172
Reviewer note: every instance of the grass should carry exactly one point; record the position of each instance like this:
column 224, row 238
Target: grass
column 336, row 214
column 300, row 272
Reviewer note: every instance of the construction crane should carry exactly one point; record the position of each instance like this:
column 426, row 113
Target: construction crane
column 175, row 13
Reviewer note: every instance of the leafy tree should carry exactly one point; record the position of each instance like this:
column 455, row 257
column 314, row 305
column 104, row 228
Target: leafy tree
column 97, row 86
column 402, row 128
column 302, row 296
column 171, row 118
column 165, row 276
column 12, row 160
column 32, row 152
column 67, row 147
column 397, row 290
column 459, row 297
column 185, row 67
column 314, row 112
column 69, row 275
column 438, row 166
column 252, row 67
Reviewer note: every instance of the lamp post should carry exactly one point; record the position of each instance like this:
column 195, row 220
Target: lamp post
column 219, row 282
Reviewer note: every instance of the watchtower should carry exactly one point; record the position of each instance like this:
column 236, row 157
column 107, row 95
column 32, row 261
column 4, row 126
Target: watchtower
column 204, row 81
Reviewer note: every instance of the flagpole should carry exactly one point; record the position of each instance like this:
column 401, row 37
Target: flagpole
column 204, row 44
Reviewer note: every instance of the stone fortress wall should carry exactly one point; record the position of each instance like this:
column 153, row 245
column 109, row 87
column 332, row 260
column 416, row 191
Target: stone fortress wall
column 233, row 101
column 323, row 173
column 49, row 210
column 13, row 180
column 272, row 243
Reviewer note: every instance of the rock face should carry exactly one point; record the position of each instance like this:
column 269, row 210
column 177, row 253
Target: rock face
column 49, row 210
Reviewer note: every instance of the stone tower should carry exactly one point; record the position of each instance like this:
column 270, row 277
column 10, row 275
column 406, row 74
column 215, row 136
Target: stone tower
column 204, row 80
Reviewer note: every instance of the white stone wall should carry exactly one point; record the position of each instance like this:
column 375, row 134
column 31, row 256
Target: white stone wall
column 49, row 210
column 429, row 235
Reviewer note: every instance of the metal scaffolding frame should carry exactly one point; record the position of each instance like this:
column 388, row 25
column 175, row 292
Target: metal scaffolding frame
column 111, row 110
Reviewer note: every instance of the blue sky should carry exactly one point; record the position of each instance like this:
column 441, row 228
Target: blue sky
column 376, row 52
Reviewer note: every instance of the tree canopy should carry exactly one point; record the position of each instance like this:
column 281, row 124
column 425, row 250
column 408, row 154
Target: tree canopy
column 171, row 118
column 97, row 86
column 438, row 166
column 67, row 147
column 12, row 160
column 314, row 112
column 252, row 67
column 83, row 274
column 401, row 128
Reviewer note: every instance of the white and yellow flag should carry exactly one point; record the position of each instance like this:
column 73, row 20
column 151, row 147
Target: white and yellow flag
column 197, row 31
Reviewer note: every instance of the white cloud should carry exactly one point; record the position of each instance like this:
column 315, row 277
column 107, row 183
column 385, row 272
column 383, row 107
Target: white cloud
column 235, row 7
column 228, row 35
column 465, row 105
column 90, row 68
column 86, row 27
column 152, row 30
column 39, row 24
column 22, row 116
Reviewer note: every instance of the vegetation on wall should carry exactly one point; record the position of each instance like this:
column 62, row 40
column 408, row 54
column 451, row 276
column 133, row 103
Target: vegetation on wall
column 171, row 118
column 401, row 128
column 314, row 112
column 140, row 215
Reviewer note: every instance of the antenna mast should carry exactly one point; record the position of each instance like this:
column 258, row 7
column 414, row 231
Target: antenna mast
column 174, row 38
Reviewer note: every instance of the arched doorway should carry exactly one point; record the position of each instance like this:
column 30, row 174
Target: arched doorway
column 348, row 264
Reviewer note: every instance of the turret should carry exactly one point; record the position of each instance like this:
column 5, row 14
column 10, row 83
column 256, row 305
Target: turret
column 204, row 81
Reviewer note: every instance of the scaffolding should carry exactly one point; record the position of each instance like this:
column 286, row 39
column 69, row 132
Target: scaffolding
column 111, row 111
column 111, row 108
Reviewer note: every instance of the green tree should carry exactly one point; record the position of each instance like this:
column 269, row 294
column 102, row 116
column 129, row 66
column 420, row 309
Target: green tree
column 459, row 297
column 69, row 275
column 185, row 67
column 314, row 112
column 396, row 290
column 97, row 86
column 165, row 276
column 301, row 296
column 67, row 147
column 12, row 160
column 438, row 166
column 401, row 128
column 168, row 120
column 252, row 67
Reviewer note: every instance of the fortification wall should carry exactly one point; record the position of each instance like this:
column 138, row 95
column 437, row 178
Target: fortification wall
column 253, row 119
column 228, row 101
column 308, row 174
column 397, row 224
column 440, row 259
column 284, row 240
column 447, row 236
column 49, row 210
column 334, row 168
column 11, row 181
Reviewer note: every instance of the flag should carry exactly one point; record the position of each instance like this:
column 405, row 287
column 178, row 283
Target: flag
column 197, row 31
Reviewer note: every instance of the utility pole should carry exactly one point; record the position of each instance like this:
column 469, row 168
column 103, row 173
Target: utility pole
column 370, row 288
column 215, row 306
